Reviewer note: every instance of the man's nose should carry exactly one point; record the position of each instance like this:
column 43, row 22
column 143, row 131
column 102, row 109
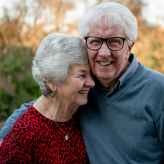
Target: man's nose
column 104, row 51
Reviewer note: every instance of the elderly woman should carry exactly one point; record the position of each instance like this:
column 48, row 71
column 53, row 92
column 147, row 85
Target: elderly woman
column 48, row 132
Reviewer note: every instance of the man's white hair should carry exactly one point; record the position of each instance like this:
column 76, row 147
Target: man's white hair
column 111, row 14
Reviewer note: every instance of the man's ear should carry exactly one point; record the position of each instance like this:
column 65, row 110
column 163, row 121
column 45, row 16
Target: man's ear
column 129, row 51
column 130, row 47
column 50, row 85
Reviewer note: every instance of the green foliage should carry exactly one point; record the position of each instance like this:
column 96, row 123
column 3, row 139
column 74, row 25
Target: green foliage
column 16, row 60
column 5, row 99
column 152, row 62
column 156, row 46
column 17, row 63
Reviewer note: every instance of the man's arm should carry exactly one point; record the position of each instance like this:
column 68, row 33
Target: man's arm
column 160, row 128
column 10, row 121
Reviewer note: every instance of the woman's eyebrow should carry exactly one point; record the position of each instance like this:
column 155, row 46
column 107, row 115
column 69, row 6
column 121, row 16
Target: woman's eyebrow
column 82, row 70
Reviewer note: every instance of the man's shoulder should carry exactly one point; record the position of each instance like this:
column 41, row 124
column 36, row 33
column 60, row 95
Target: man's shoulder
column 149, row 74
column 153, row 75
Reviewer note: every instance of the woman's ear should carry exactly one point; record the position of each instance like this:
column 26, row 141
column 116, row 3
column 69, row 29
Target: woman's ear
column 50, row 85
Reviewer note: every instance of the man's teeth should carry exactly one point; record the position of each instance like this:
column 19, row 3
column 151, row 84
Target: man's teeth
column 84, row 92
column 105, row 63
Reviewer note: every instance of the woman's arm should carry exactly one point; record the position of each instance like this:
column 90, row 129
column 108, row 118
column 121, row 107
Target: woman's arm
column 10, row 121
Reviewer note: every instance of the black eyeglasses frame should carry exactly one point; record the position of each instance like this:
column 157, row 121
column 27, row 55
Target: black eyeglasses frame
column 105, row 39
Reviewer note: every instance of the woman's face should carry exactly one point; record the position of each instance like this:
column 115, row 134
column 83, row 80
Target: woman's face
column 75, row 89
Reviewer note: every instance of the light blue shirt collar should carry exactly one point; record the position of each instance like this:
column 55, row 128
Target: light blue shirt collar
column 129, row 72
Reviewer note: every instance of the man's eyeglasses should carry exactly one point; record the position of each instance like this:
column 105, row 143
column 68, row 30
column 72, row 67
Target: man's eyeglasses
column 114, row 43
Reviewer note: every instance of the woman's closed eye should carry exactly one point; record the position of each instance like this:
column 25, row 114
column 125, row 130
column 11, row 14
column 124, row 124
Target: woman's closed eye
column 81, row 75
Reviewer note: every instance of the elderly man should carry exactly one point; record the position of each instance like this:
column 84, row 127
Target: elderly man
column 123, row 121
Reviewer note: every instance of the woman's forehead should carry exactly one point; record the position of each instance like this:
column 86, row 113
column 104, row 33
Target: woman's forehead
column 75, row 68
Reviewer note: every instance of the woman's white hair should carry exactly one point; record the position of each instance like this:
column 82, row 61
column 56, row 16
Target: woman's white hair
column 54, row 57
column 110, row 14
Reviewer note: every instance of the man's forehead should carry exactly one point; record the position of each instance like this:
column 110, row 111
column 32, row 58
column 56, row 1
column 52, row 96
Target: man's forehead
column 98, row 30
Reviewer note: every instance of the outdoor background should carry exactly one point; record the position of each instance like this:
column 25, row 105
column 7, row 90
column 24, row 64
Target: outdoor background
column 24, row 23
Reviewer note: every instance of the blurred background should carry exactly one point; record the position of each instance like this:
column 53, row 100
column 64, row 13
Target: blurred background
column 24, row 23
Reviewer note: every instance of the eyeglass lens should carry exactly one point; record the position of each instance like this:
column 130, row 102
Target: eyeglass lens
column 113, row 43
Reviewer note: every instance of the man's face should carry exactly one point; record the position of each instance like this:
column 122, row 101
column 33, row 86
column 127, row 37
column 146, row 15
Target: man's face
column 107, row 65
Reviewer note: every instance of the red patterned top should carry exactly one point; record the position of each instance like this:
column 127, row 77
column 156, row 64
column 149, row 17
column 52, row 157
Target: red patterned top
column 37, row 139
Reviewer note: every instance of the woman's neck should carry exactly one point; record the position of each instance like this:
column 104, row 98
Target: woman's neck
column 54, row 109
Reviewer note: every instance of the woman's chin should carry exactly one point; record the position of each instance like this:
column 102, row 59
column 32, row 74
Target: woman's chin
column 82, row 102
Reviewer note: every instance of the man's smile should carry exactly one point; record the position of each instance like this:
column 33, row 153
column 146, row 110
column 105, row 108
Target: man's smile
column 105, row 63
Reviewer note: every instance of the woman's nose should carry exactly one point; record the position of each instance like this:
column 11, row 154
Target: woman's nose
column 90, row 82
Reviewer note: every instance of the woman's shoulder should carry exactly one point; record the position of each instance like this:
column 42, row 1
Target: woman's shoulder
column 26, row 120
column 31, row 122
